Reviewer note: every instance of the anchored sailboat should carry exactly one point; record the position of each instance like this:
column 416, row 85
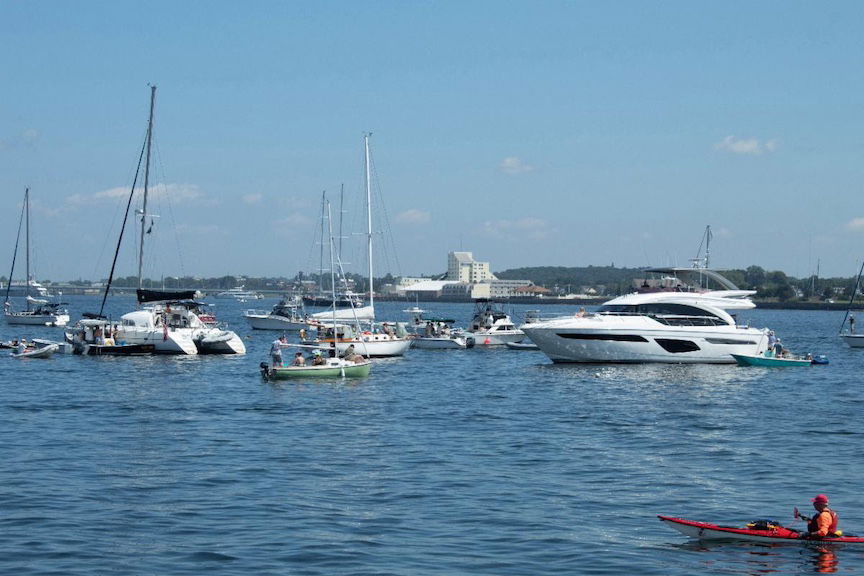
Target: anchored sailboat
column 169, row 320
column 38, row 311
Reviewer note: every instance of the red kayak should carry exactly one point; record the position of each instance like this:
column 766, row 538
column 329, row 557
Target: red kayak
column 759, row 531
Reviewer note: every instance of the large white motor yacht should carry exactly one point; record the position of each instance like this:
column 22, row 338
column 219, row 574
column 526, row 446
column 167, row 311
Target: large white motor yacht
column 656, row 326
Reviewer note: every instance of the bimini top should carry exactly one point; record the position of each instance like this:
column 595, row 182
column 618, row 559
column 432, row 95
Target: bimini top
column 696, row 279
column 163, row 295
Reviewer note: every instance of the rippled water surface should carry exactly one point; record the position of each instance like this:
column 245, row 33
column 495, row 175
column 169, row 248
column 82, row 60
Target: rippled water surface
column 442, row 462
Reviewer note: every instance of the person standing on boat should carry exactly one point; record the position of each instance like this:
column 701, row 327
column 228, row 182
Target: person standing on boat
column 824, row 522
column 276, row 351
column 851, row 323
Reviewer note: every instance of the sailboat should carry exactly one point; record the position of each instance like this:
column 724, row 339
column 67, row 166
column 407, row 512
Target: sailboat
column 375, row 341
column 38, row 312
column 853, row 339
column 321, row 366
column 168, row 319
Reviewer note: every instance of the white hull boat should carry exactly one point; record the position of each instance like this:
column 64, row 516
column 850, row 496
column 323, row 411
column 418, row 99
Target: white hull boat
column 146, row 327
column 375, row 345
column 286, row 316
column 664, row 327
column 42, row 313
column 42, row 352
column 454, row 342
column 491, row 326
column 37, row 317
column 854, row 340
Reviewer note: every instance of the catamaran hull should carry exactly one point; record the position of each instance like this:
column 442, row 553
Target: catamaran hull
column 707, row 531
column 172, row 342
column 215, row 341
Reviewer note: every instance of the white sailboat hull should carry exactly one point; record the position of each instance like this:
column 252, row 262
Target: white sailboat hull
column 25, row 319
column 375, row 346
column 854, row 340
column 266, row 321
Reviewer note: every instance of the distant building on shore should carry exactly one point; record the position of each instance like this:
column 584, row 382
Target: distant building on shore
column 468, row 279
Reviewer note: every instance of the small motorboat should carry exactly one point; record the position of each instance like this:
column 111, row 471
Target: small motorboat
column 777, row 361
column 756, row 531
column 43, row 352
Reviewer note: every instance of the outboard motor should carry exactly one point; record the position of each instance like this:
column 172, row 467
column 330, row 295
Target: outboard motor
column 265, row 370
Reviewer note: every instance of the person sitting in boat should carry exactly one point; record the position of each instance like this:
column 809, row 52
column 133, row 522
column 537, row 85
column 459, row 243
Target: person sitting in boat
column 824, row 522
column 351, row 356
column 299, row 360
column 429, row 330
column 22, row 345
column 318, row 358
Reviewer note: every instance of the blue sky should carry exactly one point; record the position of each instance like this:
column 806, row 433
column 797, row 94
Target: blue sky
column 530, row 133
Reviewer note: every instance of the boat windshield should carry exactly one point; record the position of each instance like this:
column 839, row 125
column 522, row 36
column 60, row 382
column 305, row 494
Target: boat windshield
column 666, row 313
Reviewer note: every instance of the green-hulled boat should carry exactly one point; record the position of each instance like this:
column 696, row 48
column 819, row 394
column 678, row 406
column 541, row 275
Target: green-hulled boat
column 334, row 368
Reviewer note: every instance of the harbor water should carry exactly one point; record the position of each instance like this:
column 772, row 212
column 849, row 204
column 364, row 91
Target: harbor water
column 479, row 461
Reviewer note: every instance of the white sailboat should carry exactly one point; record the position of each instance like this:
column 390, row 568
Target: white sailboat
column 169, row 320
column 38, row 311
column 329, row 364
column 852, row 338
column 376, row 340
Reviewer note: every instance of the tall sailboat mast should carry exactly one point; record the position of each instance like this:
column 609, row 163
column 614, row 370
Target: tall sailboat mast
column 146, row 185
column 369, row 218
column 27, row 248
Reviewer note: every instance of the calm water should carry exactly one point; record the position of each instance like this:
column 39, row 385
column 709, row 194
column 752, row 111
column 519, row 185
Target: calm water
column 456, row 462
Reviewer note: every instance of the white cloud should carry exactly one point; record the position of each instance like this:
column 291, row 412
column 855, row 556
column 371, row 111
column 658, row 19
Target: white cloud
column 177, row 193
column 749, row 146
column 528, row 227
column 514, row 165
column 855, row 224
column 252, row 199
column 413, row 216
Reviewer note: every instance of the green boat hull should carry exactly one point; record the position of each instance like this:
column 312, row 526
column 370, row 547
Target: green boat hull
column 361, row 370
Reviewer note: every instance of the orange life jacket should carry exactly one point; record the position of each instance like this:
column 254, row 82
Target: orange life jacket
column 813, row 525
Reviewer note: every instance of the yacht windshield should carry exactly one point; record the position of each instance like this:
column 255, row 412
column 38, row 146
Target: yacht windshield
column 666, row 313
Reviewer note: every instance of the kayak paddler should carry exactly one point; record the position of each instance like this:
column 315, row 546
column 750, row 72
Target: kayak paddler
column 824, row 522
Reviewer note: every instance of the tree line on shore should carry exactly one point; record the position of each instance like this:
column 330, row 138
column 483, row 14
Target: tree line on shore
column 604, row 281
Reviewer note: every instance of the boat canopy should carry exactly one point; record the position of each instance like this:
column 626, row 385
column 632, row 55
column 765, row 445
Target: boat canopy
column 163, row 295
column 695, row 277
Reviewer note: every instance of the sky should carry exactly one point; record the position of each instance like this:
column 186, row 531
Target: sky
column 535, row 133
